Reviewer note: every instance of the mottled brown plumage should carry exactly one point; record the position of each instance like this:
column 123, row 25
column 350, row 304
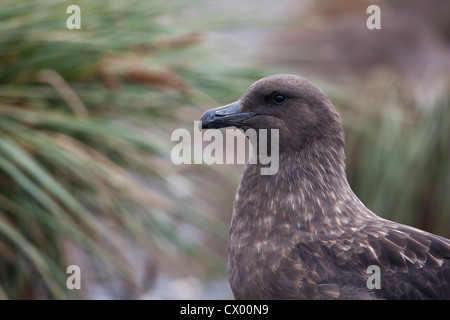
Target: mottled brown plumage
column 302, row 233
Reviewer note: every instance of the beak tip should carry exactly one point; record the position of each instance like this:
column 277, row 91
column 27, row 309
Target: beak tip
column 225, row 116
column 202, row 125
column 205, row 119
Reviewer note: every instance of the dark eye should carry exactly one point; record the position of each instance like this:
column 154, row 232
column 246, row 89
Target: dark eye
column 279, row 99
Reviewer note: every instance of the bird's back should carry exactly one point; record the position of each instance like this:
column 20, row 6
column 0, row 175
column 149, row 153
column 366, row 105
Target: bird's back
column 383, row 260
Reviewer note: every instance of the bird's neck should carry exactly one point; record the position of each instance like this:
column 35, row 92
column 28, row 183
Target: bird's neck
column 310, row 191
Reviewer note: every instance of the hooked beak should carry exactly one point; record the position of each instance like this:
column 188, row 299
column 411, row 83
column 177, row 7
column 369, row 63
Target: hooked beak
column 226, row 116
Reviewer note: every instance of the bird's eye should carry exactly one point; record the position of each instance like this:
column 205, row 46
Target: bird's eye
column 279, row 99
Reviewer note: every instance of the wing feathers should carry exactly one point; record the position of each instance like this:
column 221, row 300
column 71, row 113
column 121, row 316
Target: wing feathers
column 414, row 264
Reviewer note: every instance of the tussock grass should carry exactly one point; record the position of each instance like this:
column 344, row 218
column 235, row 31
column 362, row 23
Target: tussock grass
column 85, row 123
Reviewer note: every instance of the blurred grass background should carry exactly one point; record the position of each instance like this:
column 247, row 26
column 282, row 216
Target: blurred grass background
column 86, row 118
